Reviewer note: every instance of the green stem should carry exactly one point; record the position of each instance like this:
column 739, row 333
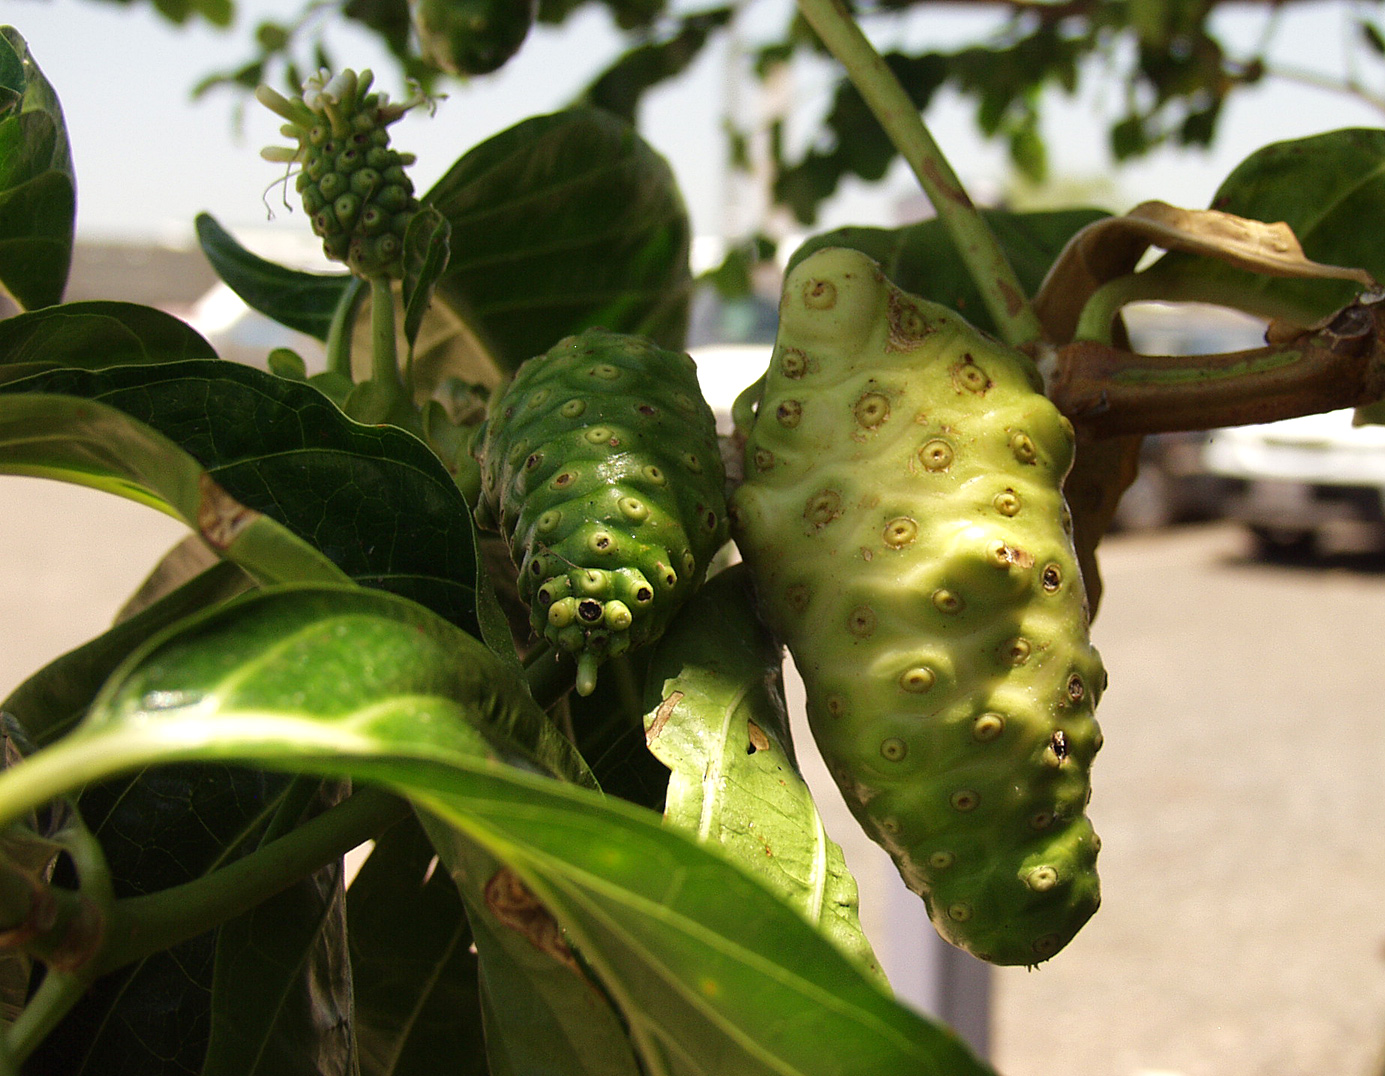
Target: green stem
column 976, row 244
column 141, row 926
column 384, row 353
column 343, row 322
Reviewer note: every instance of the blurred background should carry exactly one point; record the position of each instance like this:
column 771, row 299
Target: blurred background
column 1238, row 794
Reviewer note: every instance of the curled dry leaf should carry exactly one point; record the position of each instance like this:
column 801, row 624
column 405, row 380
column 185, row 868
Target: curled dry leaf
column 1112, row 247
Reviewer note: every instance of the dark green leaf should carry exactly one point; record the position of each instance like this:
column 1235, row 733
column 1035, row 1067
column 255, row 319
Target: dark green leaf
column 93, row 335
column 712, row 971
column 425, row 257
column 560, row 223
column 1330, row 189
column 302, row 301
column 38, row 190
column 921, row 259
column 92, row 444
column 373, row 499
column 417, row 998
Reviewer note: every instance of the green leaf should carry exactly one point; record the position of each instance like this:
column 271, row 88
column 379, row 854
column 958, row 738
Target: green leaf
column 92, row 444
column 712, row 971
column 373, row 499
column 38, row 190
column 921, row 259
column 303, row 301
column 92, row 335
column 53, row 699
column 425, row 257
column 717, row 719
column 560, row 223
column 1330, row 189
column 417, row 998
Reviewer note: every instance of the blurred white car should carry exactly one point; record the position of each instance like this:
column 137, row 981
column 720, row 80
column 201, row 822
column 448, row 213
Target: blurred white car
column 1296, row 481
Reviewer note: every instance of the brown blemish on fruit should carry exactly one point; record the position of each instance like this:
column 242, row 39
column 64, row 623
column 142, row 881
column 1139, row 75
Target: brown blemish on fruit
column 563, row 479
column 793, row 363
column 819, row 294
column 900, row 532
column 988, row 727
column 796, row 597
column 1003, row 555
column 965, row 799
column 1041, row 820
column 789, row 413
column 908, row 327
column 590, row 610
column 822, row 508
column 764, row 459
column 1016, row 651
column 1051, row 577
column 1077, row 690
column 936, row 455
column 836, row 705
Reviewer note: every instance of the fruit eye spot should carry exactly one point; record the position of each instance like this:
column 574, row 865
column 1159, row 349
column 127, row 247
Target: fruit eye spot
column 654, row 475
column 836, row 705
column 789, row 413
column 602, row 542
column 646, row 409
column 1007, row 503
column 1046, row 945
column 941, row 860
column 597, row 434
column 1052, row 577
column 533, row 461
column 894, row 749
column 1077, row 690
column 537, row 567
column 633, row 508
column 1059, row 744
column 617, row 616
column 1041, row 879
column 590, row 610
column 965, row 799
column 689, row 562
column 539, row 398
column 823, row 507
column 1041, row 819
column 764, row 459
column 710, row 520
column 1017, row 650
column 872, row 410
column 988, row 727
column 947, row 601
column 936, row 455
column 692, row 463
column 819, row 295
column 900, row 532
column 861, row 622
column 572, row 408
column 959, row 912
column 917, row 680
column 564, row 479
column 1022, row 445
column 797, row 597
column 793, row 363
column 643, row 596
column 966, row 375
column 605, row 371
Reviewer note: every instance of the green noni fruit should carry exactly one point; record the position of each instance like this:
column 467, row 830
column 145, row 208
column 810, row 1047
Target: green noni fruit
column 353, row 184
column 903, row 516
column 471, row 37
column 600, row 466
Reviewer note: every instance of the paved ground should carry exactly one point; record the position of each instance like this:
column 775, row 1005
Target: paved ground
column 1240, row 798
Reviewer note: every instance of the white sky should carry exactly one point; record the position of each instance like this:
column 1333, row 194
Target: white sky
column 148, row 158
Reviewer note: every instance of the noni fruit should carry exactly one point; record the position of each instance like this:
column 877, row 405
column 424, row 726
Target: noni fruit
column 600, row 466
column 471, row 37
column 903, row 517
column 353, row 184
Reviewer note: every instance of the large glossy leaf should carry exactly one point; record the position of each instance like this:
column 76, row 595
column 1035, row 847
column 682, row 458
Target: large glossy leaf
column 562, row 222
column 713, row 972
column 417, row 997
column 373, row 499
column 38, row 191
column 301, row 300
column 921, row 258
column 93, row 444
column 717, row 718
column 1330, row 189
column 92, row 335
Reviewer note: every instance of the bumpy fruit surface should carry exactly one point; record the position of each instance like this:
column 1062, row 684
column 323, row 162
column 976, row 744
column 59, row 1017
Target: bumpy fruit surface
column 903, row 517
column 600, row 466
column 353, row 184
column 471, row 37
